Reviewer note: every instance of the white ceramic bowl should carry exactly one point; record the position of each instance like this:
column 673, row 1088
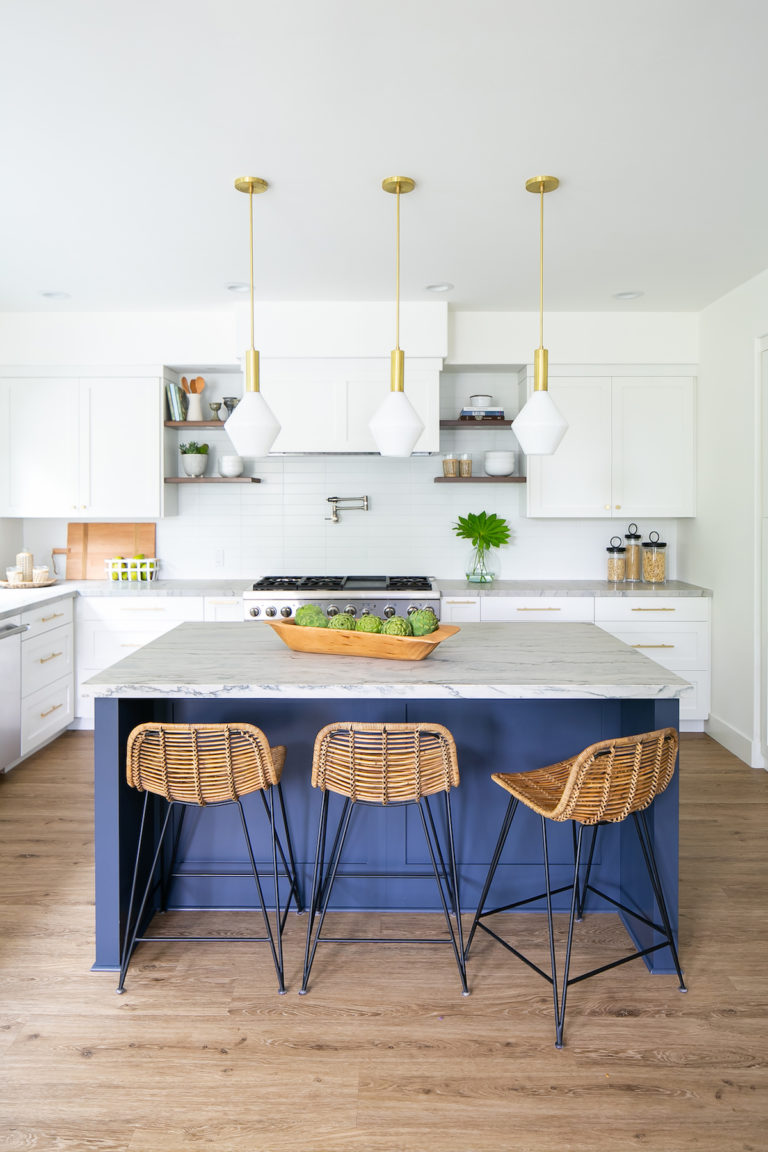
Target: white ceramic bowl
column 480, row 401
column 231, row 466
column 499, row 463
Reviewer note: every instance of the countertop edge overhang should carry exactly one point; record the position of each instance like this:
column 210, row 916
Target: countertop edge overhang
column 499, row 661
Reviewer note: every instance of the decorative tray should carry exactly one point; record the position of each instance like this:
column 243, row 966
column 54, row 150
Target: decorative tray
column 28, row 584
column 338, row 642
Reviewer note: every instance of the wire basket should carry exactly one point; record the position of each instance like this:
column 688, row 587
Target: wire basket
column 131, row 569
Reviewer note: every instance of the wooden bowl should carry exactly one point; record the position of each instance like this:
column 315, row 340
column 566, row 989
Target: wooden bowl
column 338, row 642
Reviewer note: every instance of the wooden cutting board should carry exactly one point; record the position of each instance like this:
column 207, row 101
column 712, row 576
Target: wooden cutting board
column 89, row 545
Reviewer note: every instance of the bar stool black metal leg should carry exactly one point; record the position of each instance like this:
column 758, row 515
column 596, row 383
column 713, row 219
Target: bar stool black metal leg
column 560, row 1015
column 582, row 897
column 459, row 956
column 132, row 931
column 277, row 961
column 289, row 864
column 436, row 841
column 168, row 872
column 505, row 826
column 454, row 879
column 324, row 883
column 646, row 844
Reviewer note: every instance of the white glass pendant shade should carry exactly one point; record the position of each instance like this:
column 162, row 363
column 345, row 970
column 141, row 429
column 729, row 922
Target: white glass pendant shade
column 396, row 425
column 539, row 427
column 252, row 427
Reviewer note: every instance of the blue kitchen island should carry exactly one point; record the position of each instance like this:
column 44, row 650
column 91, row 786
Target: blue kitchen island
column 515, row 696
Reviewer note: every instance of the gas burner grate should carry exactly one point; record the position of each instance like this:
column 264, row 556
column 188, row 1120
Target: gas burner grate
column 409, row 584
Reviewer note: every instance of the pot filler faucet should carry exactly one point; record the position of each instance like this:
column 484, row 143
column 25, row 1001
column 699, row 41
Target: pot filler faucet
column 347, row 503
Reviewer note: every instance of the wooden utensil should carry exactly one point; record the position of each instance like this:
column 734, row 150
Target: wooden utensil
column 185, row 384
column 196, row 385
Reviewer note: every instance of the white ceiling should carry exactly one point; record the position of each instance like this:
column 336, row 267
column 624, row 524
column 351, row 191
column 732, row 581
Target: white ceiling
column 125, row 124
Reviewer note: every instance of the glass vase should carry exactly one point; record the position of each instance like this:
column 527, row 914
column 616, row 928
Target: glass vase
column 478, row 571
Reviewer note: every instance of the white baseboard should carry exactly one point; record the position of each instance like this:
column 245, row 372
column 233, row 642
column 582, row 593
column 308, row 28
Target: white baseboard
column 691, row 726
column 81, row 722
column 735, row 741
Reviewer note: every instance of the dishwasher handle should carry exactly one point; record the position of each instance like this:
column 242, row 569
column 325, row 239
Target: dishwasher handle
column 12, row 630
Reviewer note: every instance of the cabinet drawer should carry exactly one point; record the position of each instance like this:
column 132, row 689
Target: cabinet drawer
column 651, row 608
column 459, row 609
column 550, row 609
column 101, row 647
column 694, row 705
column 223, row 608
column 46, row 616
column 673, row 645
column 45, row 713
column 139, row 610
column 46, row 658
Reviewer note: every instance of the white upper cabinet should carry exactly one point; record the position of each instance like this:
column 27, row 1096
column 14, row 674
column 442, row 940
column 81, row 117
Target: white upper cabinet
column 85, row 447
column 629, row 449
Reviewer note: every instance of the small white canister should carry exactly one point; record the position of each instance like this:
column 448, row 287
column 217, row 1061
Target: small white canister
column 230, row 466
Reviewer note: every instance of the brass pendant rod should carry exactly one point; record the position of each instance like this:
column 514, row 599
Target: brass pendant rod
column 397, row 268
column 541, row 267
column 250, row 206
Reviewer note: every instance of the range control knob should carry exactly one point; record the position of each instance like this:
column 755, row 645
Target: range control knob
column 389, row 610
column 351, row 609
column 285, row 611
column 270, row 611
column 332, row 610
column 411, row 609
column 255, row 611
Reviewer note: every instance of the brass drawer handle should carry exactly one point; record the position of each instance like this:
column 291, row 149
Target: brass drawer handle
column 654, row 609
column 127, row 645
column 53, row 709
column 45, row 619
column 53, row 655
column 539, row 609
column 461, row 601
column 653, row 645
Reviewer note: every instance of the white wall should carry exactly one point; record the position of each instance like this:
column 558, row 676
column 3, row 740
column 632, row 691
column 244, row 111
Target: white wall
column 718, row 548
column 11, row 542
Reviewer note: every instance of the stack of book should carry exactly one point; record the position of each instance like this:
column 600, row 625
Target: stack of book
column 481, row 414
column 177, row 401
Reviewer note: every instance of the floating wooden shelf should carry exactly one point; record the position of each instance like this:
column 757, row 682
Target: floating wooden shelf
column 194, row 423
column 212, row 480
column 479, row 479
column 486, row 425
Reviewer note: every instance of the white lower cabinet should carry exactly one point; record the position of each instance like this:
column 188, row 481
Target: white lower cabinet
column 672, row 630
column 110, row 628
column 223, row 608
column 459, row 609
column 47, row 673
column 541, row 609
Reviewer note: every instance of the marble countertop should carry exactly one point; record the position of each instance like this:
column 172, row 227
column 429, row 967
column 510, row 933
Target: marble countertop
column 569, row 588
column 509, row 661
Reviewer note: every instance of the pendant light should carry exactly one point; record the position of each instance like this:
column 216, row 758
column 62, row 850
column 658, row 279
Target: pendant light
column 252, row 427
column 396, row 426
column 539, row 427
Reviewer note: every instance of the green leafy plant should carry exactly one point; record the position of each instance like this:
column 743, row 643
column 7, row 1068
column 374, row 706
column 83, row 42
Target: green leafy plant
column 193, row 448
column 486, row 531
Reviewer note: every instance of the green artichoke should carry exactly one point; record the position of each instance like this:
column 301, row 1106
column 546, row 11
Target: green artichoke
column 311, row 616
column 343, row 622
column 423, row 620
column 368, row 623
column 397, row 626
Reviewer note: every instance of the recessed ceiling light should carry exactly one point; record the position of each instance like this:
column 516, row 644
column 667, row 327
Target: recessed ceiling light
column 443, row 287
column 56, row 295
column 627, row 295
column 238, row 288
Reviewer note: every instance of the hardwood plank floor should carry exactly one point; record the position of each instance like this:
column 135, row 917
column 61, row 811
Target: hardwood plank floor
column 384, row 1054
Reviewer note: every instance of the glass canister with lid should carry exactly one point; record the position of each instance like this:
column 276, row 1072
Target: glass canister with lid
column 634, row 565
column 616, row 559
column 654, row 560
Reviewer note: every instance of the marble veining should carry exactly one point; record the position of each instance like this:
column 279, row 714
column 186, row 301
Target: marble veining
column 500, row 661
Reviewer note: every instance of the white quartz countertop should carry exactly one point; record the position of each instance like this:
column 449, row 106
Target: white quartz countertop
column 503, row 661
column 569, row 588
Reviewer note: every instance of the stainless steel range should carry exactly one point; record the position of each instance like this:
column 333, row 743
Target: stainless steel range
column 279, row 596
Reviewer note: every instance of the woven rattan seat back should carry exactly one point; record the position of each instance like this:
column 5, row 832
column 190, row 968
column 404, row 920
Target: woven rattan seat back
column 606, row 782
column 202, row 763
column 385, row 763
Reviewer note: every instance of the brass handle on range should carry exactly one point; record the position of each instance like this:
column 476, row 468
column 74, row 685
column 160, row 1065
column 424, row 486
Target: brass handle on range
column 53, row 709
column 53, row 655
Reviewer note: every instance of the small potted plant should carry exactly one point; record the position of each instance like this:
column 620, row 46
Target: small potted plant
column 194, row 458
column 486, row 531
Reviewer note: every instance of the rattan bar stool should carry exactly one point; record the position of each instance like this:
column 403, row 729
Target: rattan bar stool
column 392, row 765
column 604, row 784
column 195, row 765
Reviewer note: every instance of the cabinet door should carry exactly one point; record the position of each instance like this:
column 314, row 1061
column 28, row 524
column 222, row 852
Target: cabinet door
column 459, row 609
column 653, row 446
column 576, row 480
column 44, row 447
column 120, row 432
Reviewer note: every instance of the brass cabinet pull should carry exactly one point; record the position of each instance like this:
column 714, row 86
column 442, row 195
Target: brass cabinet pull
column 127, row 645
column 461, row 601
column 45, row 619
column 53, row 709
column 539, row 609
column 653, row 645
column 53, row 655
column 654, row 609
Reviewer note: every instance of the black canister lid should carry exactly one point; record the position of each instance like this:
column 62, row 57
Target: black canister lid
column 651, row 543
column 617, row 547
column 632, row 533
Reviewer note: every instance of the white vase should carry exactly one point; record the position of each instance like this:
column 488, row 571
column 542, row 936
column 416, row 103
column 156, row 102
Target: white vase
column 195, row 408
column 231, row 466
column 194, row 463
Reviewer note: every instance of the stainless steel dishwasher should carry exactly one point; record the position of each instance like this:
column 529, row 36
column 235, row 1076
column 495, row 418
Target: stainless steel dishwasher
column 10, row 690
